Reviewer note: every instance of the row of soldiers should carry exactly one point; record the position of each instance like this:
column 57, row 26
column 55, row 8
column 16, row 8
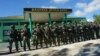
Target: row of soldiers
column 57, row 34
column 16, row 36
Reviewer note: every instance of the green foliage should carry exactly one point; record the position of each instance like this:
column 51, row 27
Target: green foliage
column 97, row 18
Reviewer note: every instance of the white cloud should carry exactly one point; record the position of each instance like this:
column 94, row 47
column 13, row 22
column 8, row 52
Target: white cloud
column 48, row 7
column 81, row 5
column 79, row 13
column 60, row 1
column 91, row 7
column 90, row 20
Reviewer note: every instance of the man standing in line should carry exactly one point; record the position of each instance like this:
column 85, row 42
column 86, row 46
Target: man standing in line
column 26, row 37
column 13, row 38
column 20, row 37
column 96, row 30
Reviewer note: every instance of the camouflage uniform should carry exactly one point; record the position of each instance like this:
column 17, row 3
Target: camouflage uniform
column 26, row 37
column 74, row 33
column 59, row 34
column 63, row 33
column 80, row 33
column 13, row 38
column 70, row 34
column 20, row 37
column 54, row 31
column 97, row 31
column 91, row 32
column 86, row 32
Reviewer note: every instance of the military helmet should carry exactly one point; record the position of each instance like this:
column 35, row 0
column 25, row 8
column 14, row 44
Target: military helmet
column 37, row 24
column 54, row 22
column 25, row 25
column 62, row 22
column 50, row 25
column 12, row 26
column 46, row 23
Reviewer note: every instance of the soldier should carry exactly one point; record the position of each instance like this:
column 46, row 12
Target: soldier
column 51, row 32
column 34, row 35
column 26, row 37
column 48, row 34
column 13, row 38
column 43, row 38
column 86, row 32
column 58, row 34
column 20, row 37
column 97, row 30
column 91, row 32
column 39, row 35
column 63, row 33
column 80, row 33
column 54, row 28
column 74, row 32
column 66, row 34
column 70, row 34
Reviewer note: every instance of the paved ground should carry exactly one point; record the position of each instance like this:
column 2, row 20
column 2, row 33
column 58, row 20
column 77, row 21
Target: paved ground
column 87, row 48
column 4, row 50
column 3, row 45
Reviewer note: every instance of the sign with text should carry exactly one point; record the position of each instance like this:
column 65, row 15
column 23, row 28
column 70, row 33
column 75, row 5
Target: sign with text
column 47, row 10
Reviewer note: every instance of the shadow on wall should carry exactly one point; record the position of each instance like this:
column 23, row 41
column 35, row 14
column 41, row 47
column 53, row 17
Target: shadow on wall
column 89, row 49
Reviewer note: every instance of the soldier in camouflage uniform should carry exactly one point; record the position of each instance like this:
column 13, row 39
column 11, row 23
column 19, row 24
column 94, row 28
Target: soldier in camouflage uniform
column 80, row 33
column 91, row 32
column 63, row 33
column 70, row 34
column 13, row 38
column 97, row 30
column 26, row 37
column 20, row 37
column 58, row 34
column 73, row 33
column 86, row 32
column 39, row 36
column 54, row 28
column 44, row 40
column 66, row 34
column 46, row 27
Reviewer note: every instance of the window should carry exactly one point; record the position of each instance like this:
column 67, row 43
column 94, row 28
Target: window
column 10, row 23
column 6, row 32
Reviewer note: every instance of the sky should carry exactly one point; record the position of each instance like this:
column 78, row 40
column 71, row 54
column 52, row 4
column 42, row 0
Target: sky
column 81, row 8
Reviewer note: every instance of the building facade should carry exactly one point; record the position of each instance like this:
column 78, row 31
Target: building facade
column 38, row 15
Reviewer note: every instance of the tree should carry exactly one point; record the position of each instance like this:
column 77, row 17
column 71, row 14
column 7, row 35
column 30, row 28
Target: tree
column 97, row 19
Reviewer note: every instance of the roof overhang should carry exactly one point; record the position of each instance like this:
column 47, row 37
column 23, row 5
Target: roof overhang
column 41, row 14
